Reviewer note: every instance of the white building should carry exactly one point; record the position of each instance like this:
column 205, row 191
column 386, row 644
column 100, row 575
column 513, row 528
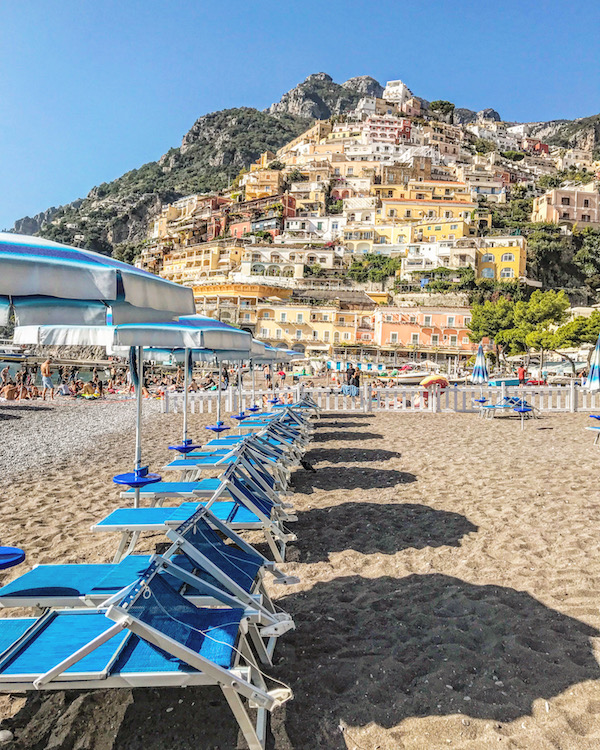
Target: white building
column 313, row 228
column 397, row 92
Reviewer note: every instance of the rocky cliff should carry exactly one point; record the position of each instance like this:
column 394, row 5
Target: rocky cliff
column 318, row 97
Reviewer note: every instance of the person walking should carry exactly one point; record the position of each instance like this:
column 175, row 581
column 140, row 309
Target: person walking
column 522, row 374
column 47, row 379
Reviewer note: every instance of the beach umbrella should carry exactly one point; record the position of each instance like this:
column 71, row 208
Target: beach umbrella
column 47, row 282
column 592, row 382
column 480, row 375
column 190, row 332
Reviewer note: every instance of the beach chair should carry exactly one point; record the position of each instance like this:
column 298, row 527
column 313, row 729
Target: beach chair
column 270, row 463
column 149, row 637
column 219, row 573
column 245, row 511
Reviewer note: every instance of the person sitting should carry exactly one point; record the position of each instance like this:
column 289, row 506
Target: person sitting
column 9, row 392
column 88, row 389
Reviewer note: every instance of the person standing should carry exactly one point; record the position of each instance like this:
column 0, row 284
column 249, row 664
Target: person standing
column 522, row 374
column 350, row 374
column 47, row 379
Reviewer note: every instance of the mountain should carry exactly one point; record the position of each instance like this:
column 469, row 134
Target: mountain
column 114, row 216
column 318, row 97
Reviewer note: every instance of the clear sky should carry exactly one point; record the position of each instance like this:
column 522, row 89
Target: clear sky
column 89, row 90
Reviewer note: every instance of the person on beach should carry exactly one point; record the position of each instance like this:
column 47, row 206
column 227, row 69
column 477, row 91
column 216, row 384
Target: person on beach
column 5, row 373
column 281, row 375
column 267, row 374
column 522, row 374
column 9, row 391
column 47, row 379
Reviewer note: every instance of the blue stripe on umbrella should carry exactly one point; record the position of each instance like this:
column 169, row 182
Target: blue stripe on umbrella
column 592, row 384
column 480, row 372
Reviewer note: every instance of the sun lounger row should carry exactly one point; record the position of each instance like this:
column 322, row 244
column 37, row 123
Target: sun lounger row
column 198, row 614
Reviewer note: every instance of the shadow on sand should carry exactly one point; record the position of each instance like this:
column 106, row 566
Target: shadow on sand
column 347, row 435
column 351, row 478
column 343, row 455
column 371, row 528
column 382, row 650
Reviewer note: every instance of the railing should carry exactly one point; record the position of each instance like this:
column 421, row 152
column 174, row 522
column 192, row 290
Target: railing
column 409, row 398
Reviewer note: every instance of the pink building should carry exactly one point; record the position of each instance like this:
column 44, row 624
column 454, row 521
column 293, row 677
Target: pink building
column 427, row 330
column 572, row 205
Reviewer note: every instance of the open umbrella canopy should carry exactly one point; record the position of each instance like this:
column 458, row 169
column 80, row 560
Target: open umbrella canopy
column 592, row 383
column 480, row 374
column 46, row 282
column 193, row 332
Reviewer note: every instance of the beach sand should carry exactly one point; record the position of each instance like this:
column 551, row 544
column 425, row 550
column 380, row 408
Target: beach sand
column 450, row 581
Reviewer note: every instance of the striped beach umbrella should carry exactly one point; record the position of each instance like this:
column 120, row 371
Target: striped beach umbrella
column 480, row 375
column 46, row 282
column 592, row 383
column 190, row 332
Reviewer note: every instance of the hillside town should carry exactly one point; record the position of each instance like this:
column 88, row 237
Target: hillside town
column 333, row 244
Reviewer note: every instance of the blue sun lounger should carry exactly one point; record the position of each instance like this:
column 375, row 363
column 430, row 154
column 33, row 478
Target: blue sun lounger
column 246, row 511
column 151, row 637
column 213, row 565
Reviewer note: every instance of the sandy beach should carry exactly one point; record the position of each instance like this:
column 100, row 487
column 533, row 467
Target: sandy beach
column 450, row 578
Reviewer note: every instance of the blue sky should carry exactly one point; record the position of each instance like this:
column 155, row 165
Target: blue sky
column 90, row 90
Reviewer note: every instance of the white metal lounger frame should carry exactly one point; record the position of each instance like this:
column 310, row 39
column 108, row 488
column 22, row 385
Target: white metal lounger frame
column 241, row 682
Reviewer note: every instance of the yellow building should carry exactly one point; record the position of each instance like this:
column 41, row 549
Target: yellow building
column 441, row 229
column 235, row 303
column 313, row 329
column 263, row 183
column 501, row 258
column 187, row 264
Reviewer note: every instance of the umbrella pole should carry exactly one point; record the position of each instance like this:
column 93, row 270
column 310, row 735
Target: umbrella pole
column 138, row 420
column 186, row 387
column 253, row 395
column 218, row 393
column 240, row 386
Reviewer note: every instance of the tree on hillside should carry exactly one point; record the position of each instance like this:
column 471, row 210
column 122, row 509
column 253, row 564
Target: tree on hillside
column 374, row 268
column 578, row 331
column 550, row 257
column 587, row 257
column 442, row 107
column 484, row 146
column 490, row 318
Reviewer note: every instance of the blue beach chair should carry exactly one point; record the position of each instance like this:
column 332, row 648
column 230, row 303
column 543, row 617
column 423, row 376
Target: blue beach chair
column 151, row 637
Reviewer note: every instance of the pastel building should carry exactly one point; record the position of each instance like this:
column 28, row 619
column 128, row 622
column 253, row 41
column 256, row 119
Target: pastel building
column 501, row 258
column 568, row 205
column 424, row 330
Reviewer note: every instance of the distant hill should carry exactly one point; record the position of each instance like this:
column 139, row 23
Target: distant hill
column 114, row 216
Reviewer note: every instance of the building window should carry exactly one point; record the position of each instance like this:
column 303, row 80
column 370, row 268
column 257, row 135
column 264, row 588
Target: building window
column 414, row 338
column 283, row 317
column 336, row 337
column 586, row 203
column 508, row 258
column 453, row 226
column 585, row 217
column 465, row 339
column 438, row 229
column 565, row 201
column 341, row 320
column 300, row 318
column 388, row 318
column 487, row 258
column 507, row 273
column 487, row 273
column 394, row 338
column 407, row 213
column 334, row 225
column 346, row 336
column 565, row 215
column 467, row 322
column 264, row 333
column 435, row 339
column 453, row 340
column 451, row 321
column 315, row 335
column 278, row 333
column 326, row 336
column 427, row 320
column 298, row 333
column 325, row 316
